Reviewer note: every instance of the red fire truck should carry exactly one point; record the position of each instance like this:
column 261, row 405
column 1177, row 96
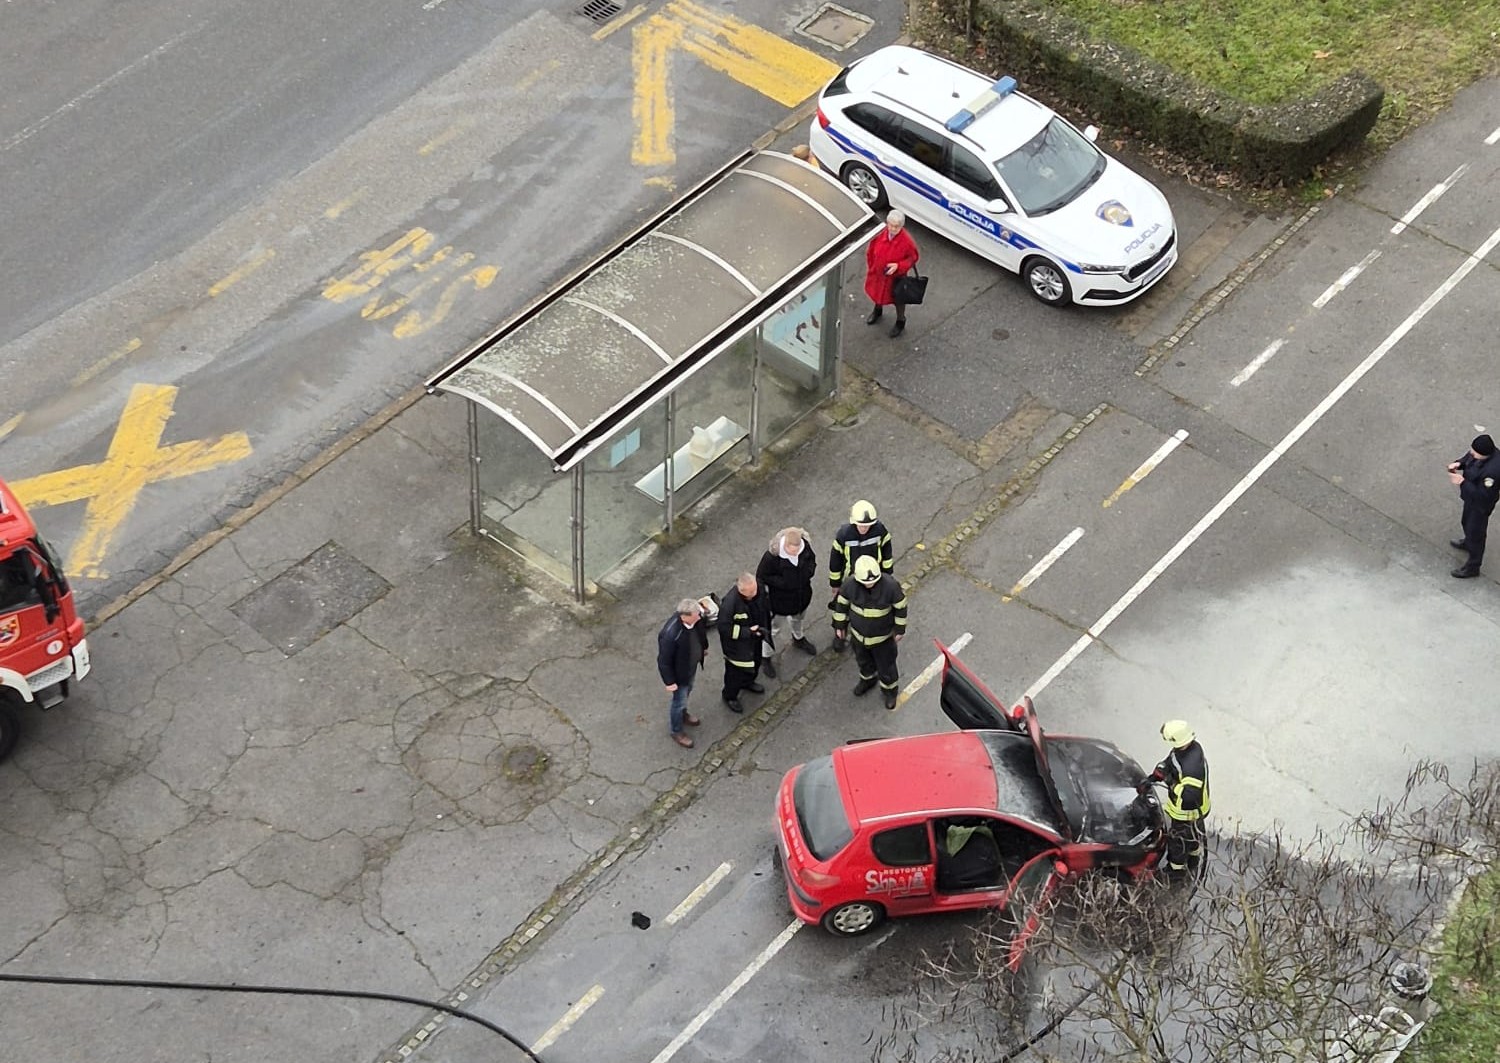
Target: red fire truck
column 42, row 648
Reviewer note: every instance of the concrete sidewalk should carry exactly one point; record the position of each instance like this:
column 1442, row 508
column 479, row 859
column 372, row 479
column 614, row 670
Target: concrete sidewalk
column 345, row 743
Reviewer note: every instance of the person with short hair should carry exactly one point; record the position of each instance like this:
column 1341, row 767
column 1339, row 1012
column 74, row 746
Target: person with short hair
column 744, row 626
column 888, row 255
column 786, row 571
column 1477, row 477
column 681, row 646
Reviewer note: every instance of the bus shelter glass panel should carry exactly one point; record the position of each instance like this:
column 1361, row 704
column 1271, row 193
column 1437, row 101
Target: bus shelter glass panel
column 713, row 423
column 622, row 504
column 523, row 503
column 798, row 354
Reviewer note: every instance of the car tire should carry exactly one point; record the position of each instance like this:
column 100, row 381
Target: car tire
column 1047, row 281
column 865, row 186
column 853, row 919
column 10, row 727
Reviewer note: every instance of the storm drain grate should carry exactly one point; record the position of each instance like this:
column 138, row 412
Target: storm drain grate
column 836, row 27
column 599, row 11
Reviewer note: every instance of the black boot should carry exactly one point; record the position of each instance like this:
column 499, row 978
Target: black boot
column 864, row 686
column 875, row 315
column 1465, row 572
column 898, row 328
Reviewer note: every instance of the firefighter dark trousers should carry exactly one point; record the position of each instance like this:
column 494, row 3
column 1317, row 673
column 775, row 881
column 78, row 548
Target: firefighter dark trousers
column 1185, row 847
column 737, row 678
column 878, row 662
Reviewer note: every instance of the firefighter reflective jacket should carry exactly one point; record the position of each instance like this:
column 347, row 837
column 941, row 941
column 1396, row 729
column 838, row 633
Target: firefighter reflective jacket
column 871, row 614
column 1185, row 771
column 849, row 545
column 737, row 615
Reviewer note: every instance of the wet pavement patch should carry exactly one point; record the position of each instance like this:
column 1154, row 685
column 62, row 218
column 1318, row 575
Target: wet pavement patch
column 311, row 598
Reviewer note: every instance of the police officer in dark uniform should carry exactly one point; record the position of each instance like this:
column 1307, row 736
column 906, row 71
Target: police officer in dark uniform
column 1185, row 773
column 1477, row 477
column 870, row 613
column 744, row 625
column 864, row 536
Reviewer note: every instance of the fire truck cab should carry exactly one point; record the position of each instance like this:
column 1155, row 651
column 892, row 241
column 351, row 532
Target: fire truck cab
column 42, row 644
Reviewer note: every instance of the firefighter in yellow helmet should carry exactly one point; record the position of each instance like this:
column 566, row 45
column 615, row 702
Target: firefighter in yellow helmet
column 870, row 613
column 864, row 536
column 1184, row 773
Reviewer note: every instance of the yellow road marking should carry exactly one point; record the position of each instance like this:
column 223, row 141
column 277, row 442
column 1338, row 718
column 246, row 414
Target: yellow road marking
column 650, row 59
column 135, row 458
column 453, row 132
column 619, row 23
column 376, row 266
column 1146, row 466
column 535, row 76
column 928, row 674
column 344, row 204
column 572, row 1015
column 10, row 426
column 414, row 323
column 108, row 360
column 241, row 272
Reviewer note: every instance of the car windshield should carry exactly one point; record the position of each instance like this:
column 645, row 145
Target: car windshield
column 1051, row 169
column 820, row 809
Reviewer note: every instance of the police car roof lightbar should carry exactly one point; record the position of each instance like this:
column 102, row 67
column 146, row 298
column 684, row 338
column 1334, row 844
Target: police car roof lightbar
column 980, row 104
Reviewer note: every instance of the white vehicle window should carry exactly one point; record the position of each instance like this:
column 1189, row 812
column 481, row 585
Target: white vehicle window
column 1052, row 169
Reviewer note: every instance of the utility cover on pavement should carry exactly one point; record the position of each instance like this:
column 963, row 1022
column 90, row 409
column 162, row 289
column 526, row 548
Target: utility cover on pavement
column 836, row 26
column 310, row 599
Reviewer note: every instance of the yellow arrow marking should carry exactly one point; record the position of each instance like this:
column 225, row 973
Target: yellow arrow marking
column 135, row 459
column 750, row 55
column 414, row 323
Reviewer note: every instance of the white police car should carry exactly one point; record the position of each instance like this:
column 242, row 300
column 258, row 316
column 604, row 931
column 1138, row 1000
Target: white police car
column 997, row 172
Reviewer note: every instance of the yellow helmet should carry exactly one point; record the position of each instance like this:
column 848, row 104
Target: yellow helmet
column 866, row 569
column 862, row 512
column 1177, row 733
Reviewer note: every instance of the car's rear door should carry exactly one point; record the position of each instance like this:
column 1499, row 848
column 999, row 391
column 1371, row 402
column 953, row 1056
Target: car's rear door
column 1027, row 900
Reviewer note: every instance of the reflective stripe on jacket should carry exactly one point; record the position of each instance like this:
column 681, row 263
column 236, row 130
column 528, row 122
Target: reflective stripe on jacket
column 871, row 614
column 849, row 546
column 1185, row 771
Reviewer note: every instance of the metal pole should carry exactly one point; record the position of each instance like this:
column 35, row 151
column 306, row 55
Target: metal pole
column 836, row 320
column 577, row 522
column 476, row 509
column 755, row 398
column 669, row 470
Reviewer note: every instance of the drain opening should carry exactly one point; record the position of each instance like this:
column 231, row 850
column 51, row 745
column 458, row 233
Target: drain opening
column 599, row 11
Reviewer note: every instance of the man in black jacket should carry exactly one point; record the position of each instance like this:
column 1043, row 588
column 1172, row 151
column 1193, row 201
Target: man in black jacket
column 786, row 572
column 1477, row 477
column 744, row 624
column 681, row 646
column 870, row 612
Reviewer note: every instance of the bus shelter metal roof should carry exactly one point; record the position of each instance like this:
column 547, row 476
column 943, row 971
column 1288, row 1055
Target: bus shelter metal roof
column 630, row 327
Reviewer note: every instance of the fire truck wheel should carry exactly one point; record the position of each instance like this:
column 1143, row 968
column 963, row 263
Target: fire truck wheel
column 10, row 728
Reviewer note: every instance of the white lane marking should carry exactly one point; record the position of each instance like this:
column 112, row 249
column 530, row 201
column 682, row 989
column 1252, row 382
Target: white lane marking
column 712, row 1007
column 927, row 674
column 1146, row 466
column 1428, row 200
column 1044, row 564
column 1263, row 466
column 1494, row 137
column 1345, row 280
column 1259, row 360
column 84, row 97
column 572, row 1015
column 692, row 899
column 431, row 4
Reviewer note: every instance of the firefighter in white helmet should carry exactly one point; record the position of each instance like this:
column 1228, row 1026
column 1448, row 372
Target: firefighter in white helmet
column 1184, row 773
column 864, row 536
column 870, row 612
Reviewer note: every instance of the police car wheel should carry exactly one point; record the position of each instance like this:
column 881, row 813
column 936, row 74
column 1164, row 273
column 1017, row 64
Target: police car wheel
column 864, row 184
column 855, row 918
column 10, row 727
column 1046, row 280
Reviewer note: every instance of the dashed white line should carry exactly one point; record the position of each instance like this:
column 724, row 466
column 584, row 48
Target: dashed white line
column 1045, row 563
column 927, row 674
column 1263, row 466
column 1259, row 360
column 740, row 980
column 1428, row 200
column 1144, row 469
column 1344, row 281
column 1494, row 137
column 691, row 900
column 572, row 1015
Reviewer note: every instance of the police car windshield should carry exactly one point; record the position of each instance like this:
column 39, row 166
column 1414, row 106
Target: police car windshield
column 1051, row 169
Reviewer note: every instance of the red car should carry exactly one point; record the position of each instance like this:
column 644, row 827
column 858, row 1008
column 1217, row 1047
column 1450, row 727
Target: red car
column 971, row 819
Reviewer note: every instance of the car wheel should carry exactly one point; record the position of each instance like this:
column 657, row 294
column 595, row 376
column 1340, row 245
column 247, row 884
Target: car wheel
column 855, row 918
column 864, row 184
column 10, row 728
column 1047, row 281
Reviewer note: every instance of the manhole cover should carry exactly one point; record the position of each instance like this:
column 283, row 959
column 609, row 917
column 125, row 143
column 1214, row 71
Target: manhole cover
column 836, row 26
column 310, row 599
column 599, row 11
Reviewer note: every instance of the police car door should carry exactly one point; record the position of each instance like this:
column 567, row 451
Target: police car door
column 980, row 207
column 927, row 150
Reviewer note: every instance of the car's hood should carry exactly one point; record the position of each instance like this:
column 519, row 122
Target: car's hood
column 1119, row 220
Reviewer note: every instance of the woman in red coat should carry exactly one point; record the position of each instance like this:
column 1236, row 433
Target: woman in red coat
column 889, row 255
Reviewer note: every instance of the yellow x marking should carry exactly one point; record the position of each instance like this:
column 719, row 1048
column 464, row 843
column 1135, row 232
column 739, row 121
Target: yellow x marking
column 136, row 458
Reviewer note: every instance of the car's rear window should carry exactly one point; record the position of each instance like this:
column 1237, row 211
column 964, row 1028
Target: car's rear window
column 820, row 809
column 840, row 84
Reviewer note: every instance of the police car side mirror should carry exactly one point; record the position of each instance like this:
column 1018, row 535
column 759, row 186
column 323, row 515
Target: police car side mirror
column 997, row 206
column 1091, row 133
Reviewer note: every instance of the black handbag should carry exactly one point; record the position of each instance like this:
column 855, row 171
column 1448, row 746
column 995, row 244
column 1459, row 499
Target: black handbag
column 909, row 289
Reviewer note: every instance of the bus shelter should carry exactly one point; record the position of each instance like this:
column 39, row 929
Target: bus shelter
column 627, row 393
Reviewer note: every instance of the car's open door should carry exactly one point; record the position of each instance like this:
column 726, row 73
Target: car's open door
column 968, row 702
column 1026, row 901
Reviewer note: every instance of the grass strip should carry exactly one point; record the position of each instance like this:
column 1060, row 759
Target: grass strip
column 1467, row 983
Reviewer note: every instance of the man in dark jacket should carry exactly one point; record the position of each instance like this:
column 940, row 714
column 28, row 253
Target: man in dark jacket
column 870, row 612
column 744, row 624
column 864, row 536
column 681, row 645
column 786, row 572
column 1477, row 477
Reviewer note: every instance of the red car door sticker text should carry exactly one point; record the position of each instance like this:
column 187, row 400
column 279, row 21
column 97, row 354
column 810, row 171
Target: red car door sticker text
column 897, row 882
